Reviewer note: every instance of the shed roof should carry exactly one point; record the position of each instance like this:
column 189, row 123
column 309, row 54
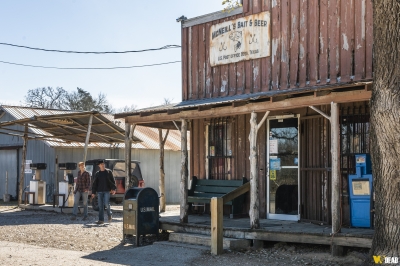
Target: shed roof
column 65, row 128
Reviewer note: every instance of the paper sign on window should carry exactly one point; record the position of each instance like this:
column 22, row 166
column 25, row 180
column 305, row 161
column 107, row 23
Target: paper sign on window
column 273, row 146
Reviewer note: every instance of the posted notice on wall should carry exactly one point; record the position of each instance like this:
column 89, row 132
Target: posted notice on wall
column 28, row 169
column 273, row 146
column 240, row 39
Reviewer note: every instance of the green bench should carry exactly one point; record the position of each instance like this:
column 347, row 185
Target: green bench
column 202, row 190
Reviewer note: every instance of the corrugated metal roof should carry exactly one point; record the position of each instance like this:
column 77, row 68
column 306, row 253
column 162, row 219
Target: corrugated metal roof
column 149, row 136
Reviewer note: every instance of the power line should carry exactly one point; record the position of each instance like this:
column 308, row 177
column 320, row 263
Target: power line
column 77, row 52
column 90, row 68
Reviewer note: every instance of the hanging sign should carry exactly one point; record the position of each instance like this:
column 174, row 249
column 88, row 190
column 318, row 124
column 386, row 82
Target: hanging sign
column 274, row 163
column 240, row 39
column 272, row 175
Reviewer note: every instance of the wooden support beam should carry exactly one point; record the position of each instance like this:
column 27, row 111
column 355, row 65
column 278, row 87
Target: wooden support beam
column 335, row 150
column 321, row 93
column 184, row 173
column 87, row 137
column 278, row 98
column 254, row 212
column 162, row 172
column 217, row 236
column 291, row 103
column 22, row 175
column 129, row 130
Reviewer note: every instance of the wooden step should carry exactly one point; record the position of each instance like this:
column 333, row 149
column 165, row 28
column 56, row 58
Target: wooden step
column 205, row 240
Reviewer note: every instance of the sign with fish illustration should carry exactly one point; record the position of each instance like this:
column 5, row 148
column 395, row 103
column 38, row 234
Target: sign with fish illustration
column 240, row 39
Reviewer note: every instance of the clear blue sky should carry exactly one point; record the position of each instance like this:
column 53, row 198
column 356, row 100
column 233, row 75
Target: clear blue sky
column 95, row 25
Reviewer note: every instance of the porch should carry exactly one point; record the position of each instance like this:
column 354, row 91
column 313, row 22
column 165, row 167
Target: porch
column 272, row 230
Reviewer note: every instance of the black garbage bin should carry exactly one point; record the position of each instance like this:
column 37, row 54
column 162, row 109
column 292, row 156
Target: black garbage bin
column 141, row 212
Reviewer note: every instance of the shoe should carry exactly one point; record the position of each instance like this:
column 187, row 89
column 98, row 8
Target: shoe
column 84, row 218
column 73, row 218
column 100, row 222
column 109, row 218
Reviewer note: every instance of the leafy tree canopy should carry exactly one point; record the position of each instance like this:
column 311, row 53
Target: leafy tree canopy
column 59, row 98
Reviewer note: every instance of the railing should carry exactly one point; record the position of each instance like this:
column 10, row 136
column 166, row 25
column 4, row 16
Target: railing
column 217, row 220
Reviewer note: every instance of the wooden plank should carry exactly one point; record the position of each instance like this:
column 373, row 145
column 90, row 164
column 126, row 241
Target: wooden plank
column 195, row 62
column 248, row 87
column 224, row 89
column 240, row 77
column 346, row 34
column 202, row 147
column 265, row 67
column 294, row 42
column 368, row 38
column 190, row 74
column 195, row 147
column 342, row 97
column 232, row 79
column 323, row 42
column 257, row 6
column 184, row 44
column 275, row 45
column 236, row 192
column 216, row 226
column 303, row 44
column 313, row 33
column 310, row 239
column 261, row 147
column 334, row 40
column 202, row 64
column 359, row 47
column 284, row 62
column 208, row 71
column 256, row 71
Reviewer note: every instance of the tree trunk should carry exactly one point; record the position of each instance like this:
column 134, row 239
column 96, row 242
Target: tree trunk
column 162, row 172
column 184, row 174
column 22, row 176
column 385, row 128
column 254, row 211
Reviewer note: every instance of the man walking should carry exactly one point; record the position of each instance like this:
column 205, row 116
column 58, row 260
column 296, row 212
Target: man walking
column 81, row 189
column 103, row 185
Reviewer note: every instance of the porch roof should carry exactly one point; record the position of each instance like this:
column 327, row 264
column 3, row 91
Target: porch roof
column 162, row 116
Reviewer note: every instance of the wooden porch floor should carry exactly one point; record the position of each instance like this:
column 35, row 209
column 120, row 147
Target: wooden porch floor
column 273, row 230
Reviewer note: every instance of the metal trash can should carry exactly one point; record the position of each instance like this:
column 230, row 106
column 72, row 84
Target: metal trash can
column 141, row 212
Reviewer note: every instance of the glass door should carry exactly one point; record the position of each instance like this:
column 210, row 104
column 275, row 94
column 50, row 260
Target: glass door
column 283, row 168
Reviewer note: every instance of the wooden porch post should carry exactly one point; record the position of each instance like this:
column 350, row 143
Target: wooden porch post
column 22, row 176
column 87, row 137
column 129, row 129
column 335, row 142
column 184, row 173
column 217, row 205
column 254, row 212
column 162, row 172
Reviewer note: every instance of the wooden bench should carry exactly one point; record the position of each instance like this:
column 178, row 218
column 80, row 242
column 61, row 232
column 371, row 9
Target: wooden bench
column 202, row 190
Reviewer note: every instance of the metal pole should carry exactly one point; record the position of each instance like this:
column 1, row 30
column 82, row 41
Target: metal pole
column 87, row 137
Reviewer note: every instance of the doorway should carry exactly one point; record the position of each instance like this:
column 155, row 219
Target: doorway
column 283, row 168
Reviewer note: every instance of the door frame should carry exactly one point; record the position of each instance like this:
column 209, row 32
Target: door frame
column 274, row 216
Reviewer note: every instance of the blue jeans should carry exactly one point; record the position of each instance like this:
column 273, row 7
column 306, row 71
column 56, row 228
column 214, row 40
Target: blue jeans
column 84, row 201
column 104, row 200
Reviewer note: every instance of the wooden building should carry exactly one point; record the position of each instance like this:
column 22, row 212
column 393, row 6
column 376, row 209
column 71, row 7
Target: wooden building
column 296, row 60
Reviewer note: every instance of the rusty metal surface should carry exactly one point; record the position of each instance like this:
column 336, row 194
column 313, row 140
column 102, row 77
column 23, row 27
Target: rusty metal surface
column 149, row 136
column 312, row 43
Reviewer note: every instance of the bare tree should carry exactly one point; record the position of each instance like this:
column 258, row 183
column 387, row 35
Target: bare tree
column 82, row 100
column 127, row 108
column 385, row 128
column 47, row 98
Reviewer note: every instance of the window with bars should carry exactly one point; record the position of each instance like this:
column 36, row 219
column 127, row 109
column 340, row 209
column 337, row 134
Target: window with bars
column 354, row 136
column 219, row 148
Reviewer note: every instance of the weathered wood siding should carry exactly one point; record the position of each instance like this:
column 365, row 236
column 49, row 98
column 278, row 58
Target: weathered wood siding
column 315, row 159
column 313, row 43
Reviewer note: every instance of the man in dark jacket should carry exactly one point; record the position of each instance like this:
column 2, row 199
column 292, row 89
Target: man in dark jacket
column 103, row 185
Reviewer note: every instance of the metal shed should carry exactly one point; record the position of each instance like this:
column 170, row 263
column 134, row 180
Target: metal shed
column 106, row 141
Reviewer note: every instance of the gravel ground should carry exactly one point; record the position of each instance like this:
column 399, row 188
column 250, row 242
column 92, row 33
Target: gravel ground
column 47, row 233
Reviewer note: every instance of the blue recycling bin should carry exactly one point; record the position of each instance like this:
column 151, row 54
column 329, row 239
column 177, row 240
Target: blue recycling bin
column 360, row 188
